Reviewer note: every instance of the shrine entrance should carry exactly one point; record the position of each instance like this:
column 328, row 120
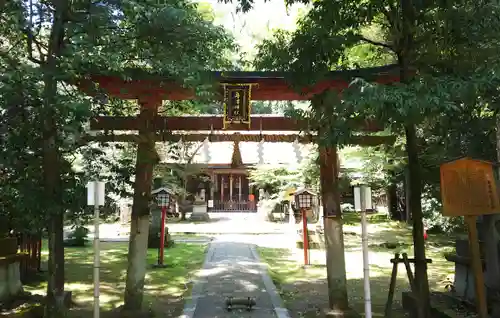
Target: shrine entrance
column 232, row 192
column 229, row 187
column 236, row 125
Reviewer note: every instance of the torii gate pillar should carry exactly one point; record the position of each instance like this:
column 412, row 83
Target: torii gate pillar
column 139, row 227
column 334, row 239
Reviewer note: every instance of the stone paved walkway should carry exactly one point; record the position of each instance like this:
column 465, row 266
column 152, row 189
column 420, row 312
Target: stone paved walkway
column 233, row 269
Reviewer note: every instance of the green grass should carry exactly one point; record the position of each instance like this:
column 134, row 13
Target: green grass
column 351, row 218
column 304, row 290
column 164, row 288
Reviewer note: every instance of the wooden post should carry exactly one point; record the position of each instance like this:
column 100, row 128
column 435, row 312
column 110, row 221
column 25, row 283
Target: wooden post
column 230, row 187
column 334, row 238
column 213, row 185
column 411, row 279
column 239, row 187
column 221, row 185
column 162, row 235
column 392, row 286
column 305, row 237
column 477, row 266
column 39, row 254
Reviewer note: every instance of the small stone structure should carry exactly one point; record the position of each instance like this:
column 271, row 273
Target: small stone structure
column 155, row 230
column 200, row 210
column 315, row 233
column 464, row 277
column 464, row 282
column 10, row 275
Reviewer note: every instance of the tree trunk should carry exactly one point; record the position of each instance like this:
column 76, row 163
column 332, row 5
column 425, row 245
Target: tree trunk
column 137, row 262
column 406, row 188
column 415, row 204
column 185, row 206
column 405, row 54
column 490, row 223
column 52, row 167
column 392, row 199
column 183, row 214
column 55, row 306
column 139, row 227
column 334, row 237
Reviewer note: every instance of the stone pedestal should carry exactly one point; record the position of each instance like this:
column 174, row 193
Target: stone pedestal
column 10, row 277
column 316, row 237
column 200, row 212
column 155, row 230
column 464, row 283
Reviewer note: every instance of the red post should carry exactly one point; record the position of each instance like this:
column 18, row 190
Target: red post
column 162, row 234
column 305, row 237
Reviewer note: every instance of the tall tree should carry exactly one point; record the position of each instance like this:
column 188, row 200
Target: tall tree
column 428, row 40
column 63, row 41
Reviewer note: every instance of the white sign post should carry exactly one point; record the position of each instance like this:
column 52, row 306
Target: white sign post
column 95, row 197
column 362, row 203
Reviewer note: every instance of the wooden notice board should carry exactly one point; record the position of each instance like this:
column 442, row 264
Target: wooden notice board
column 468, row 188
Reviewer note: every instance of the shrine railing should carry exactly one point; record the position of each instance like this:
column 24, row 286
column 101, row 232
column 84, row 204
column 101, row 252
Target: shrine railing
column 234, row 206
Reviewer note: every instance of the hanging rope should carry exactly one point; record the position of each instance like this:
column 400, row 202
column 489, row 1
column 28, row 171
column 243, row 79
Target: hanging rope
column 206, row 150
column 260, row 151
column 297, row 150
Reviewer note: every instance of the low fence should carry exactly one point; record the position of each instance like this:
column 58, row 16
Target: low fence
column 234, row 206
column 31, row 246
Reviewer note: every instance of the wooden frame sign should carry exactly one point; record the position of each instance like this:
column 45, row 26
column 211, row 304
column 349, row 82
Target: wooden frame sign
column 237, row 103
column 468, row 188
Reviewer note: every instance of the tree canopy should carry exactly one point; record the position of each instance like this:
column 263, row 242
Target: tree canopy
column 45, row 47
column 447, row 53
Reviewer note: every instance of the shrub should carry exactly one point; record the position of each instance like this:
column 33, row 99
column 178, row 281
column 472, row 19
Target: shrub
column 78, row 237
column 434, row 219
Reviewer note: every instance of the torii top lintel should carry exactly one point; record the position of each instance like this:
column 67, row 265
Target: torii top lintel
column 270, row 85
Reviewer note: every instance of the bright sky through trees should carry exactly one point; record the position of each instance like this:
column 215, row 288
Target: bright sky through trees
column 251, row 27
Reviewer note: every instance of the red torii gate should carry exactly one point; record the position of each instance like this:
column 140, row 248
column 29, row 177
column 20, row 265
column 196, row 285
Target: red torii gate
column 151, row 90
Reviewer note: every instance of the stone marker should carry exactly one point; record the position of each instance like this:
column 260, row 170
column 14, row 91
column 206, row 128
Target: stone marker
column 155, row 229
column 10, row 275
column 200, row 210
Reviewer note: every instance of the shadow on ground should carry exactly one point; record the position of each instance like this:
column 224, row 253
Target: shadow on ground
column 164, row 288
column 310, row 298
column 305, row 291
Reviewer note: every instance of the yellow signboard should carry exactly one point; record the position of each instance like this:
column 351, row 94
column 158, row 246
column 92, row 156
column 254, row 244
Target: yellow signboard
column 468, row 187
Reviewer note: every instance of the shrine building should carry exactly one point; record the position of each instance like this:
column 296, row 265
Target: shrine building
column 226, row 167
